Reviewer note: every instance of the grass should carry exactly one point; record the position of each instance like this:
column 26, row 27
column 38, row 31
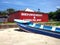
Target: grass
column 55, row 23
column 50, row 23
column 7, row 23
column 45, row 23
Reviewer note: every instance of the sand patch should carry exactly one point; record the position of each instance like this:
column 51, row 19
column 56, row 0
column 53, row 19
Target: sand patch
column 11, row 37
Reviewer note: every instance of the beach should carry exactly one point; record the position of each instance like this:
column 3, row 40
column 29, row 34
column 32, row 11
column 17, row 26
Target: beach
column 10, row 36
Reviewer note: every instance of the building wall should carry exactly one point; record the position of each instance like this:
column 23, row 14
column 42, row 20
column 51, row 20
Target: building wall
column 3, row 19
column 33, row 16
column 13, row 16
column 42, row 17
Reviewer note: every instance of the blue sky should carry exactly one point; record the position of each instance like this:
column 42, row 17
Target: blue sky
column 43, row 5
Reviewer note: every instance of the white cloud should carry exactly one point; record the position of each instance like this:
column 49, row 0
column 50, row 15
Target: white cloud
column 57, row 6
column 5, row 2
column 19, row 3
column 14, row 2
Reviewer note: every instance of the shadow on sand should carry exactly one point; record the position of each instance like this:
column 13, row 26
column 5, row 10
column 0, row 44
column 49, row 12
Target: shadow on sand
column 20, row 30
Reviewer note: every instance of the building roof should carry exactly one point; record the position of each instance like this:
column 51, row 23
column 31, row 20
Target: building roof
column 29, row 10
column 3, row 16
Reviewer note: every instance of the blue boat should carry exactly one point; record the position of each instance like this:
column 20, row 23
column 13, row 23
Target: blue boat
column 38, row 28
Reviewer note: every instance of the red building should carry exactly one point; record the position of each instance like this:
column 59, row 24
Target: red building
column 26, row 15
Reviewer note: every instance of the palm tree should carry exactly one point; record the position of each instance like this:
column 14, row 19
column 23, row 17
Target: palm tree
column 3, row 13
column 10, row 10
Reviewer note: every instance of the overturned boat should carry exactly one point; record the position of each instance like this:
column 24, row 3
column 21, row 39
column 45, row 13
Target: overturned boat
column 38, row 28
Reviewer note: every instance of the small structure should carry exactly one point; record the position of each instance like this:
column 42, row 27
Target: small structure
column 29, row 14
column 3, row 19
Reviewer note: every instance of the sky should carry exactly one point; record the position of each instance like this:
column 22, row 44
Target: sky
column 43, row 5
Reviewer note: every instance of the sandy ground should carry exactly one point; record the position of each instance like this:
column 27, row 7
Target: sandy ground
column 11, row 37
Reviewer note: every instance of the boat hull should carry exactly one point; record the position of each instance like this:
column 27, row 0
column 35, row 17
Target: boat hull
column 39, row 26
column 39, row 31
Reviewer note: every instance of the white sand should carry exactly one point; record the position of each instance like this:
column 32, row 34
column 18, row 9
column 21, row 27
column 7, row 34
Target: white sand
column 11, row 37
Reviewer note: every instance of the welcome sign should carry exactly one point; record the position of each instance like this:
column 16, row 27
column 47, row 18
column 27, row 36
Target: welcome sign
column 31, row 16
